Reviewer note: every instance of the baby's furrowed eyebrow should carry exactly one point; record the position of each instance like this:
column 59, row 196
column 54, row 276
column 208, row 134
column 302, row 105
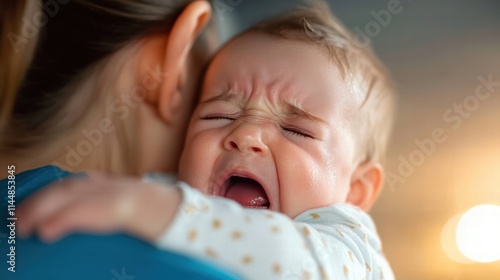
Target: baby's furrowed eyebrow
column 226, row 97
column 293, row 111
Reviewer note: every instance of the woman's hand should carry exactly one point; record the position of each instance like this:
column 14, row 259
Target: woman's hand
column 99, row 204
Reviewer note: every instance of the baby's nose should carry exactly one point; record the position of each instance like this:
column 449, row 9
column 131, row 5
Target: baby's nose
column 249, row 137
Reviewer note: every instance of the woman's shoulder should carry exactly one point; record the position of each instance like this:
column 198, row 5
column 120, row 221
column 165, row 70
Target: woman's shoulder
column 17, row 186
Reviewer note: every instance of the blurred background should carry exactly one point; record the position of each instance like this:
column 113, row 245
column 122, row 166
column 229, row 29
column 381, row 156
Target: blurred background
column 445, row 154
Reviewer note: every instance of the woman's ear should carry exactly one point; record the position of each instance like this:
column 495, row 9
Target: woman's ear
column 366, row 184
column 184, row 32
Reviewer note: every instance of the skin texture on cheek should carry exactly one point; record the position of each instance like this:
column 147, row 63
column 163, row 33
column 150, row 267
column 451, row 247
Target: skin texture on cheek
column 304, row 180
column 192, row 168
column 328, row 177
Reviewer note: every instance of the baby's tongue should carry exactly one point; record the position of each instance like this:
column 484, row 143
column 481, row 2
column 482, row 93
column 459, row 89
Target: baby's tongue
column 248, row 193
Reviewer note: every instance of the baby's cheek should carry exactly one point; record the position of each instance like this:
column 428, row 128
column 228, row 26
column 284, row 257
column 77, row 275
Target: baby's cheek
column 310, row 188
column 197, row 163
column 328, row 182
column 195, row 179
column 188, row 168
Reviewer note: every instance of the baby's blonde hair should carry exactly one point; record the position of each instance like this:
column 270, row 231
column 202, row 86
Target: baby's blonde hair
column 358, row 65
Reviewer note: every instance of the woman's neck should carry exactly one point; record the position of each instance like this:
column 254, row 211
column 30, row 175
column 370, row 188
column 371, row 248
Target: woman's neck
column 59, row 153
column 22, row 163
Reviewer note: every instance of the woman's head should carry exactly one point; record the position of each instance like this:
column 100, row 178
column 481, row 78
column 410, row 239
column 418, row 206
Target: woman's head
column 107, row 79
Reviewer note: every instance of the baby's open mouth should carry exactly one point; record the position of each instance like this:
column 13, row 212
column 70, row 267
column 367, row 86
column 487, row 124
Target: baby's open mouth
column 247, row 192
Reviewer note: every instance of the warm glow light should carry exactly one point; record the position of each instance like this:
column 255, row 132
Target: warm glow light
column 478, row 233
column 448, row 240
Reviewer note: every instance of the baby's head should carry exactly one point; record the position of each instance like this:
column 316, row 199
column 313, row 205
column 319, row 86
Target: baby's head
column 293, row 116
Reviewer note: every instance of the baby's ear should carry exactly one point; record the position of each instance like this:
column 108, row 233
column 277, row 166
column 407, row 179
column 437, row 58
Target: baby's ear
column 366, row 184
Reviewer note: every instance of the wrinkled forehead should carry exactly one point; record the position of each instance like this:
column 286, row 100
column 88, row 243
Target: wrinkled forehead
column 300, row 72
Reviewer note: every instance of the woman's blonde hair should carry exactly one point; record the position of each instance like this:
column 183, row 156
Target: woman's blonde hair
column 15, row 60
